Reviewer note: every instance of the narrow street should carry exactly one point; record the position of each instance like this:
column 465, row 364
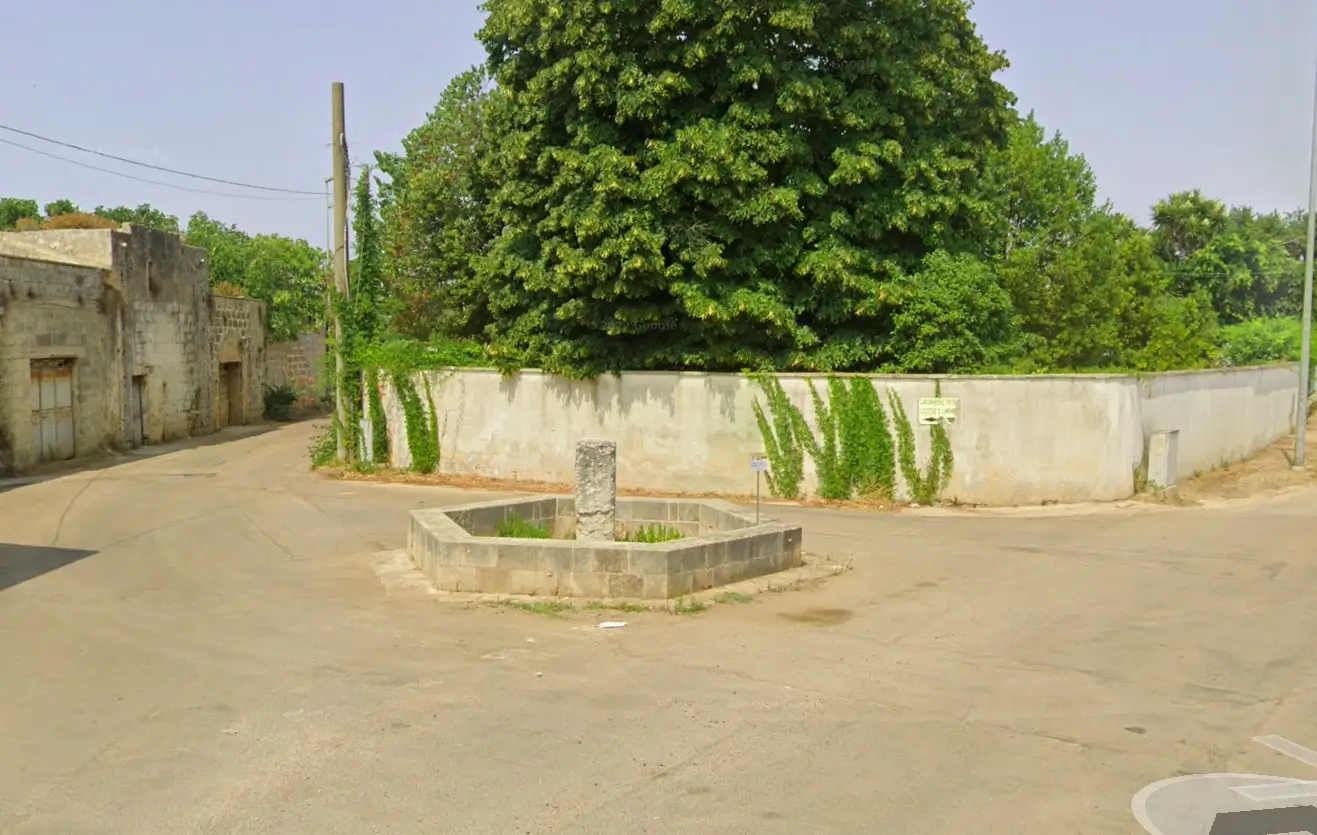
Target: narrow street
column 196, row 643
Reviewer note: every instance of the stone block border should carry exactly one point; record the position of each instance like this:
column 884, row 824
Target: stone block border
column 455, row 547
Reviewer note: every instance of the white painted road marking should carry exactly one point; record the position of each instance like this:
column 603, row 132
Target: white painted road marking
column 1307, row 756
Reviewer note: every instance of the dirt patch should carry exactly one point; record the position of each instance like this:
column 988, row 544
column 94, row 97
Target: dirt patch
column 819, row 617
column 503, row 485
column 1265, row 474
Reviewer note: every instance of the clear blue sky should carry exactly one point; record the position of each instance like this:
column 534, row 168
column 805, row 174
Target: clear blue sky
column 1160, row 95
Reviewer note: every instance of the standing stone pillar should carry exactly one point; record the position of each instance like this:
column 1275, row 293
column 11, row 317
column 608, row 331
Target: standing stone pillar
column 596, row 490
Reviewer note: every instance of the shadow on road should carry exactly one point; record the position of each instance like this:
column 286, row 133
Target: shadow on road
column 20, row 563
column 104, row 461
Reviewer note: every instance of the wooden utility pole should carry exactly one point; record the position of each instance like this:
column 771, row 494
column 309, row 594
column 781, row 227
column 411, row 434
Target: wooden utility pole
column 1305, row 344
column 340, row 144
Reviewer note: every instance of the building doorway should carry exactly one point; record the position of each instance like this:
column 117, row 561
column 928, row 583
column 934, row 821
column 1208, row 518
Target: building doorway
column 52, row 409
column 232, row 403
column 137, row 411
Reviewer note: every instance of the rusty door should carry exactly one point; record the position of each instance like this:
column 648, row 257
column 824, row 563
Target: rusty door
column 52, row 409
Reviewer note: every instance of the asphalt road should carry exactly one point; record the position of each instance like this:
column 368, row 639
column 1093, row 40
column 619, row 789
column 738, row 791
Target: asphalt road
column 196, row 643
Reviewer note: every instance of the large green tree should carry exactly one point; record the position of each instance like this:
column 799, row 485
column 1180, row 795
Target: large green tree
column 14, row 209
column 434, row 218
column 143, row 215
column 1246, row 262
column 287, row 274
column 726, row 184
column 1041, row 193
column 63, row 206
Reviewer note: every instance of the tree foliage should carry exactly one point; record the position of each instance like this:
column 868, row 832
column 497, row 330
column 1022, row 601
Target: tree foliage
column 783, row 185
column 432, row 206
column 287, row 274
column 23, row 214
column 144, row 215
column 1041, row 194
column 950, row 315
column 15, row 209
column 1245, row 262
column 723, row 184
column 367, row 284
column 61, row 207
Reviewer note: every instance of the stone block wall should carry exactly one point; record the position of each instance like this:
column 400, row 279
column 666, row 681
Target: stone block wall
column 300, row 364
column 164, row 319
column 58, row 311
column 168, row 327
column 238, row 373
column 155, row 329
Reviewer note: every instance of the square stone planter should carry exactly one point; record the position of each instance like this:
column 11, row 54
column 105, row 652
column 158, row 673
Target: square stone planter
column 458, row 549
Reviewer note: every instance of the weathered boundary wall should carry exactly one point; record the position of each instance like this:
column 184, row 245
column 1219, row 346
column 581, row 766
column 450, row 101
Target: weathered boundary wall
column 300, row 364
column 238, row 378
column 58, row 311
column 163, row 317
column 1018, row 440
column 1223, row 416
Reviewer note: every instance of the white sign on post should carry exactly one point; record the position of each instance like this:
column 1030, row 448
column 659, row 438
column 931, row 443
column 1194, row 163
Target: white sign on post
column 938, row 409
column 758, row 462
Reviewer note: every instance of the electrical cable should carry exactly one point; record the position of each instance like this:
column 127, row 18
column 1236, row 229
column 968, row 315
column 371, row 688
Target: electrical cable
column 31, row 135
column 155, row 182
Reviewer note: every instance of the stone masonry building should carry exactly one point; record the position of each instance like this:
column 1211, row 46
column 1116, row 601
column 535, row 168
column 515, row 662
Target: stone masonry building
column 112, row 338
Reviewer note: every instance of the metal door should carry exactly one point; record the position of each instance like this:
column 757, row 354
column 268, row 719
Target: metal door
column 52, row 409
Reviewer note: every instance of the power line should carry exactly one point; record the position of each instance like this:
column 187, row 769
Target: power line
column 152, row 182
column 41, row 138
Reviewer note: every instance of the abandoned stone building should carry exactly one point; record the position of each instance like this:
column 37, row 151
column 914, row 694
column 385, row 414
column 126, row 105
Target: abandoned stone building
column 112, row 339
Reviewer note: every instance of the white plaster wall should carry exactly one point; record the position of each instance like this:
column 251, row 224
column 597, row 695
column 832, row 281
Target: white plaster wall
column 1018, row 440
column 1223, row 416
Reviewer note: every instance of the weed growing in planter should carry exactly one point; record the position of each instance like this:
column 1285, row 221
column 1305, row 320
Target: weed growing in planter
column 515, row 527
column 653, row 534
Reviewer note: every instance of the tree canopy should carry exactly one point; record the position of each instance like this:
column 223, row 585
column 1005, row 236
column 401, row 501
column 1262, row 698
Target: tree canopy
column 781, row 185
column 725, row 185
column 287, row 274
column 432, row 208
column 765, row 185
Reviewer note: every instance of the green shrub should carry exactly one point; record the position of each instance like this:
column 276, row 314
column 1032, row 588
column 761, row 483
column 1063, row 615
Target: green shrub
column 279, row 402
column 515, row 527
column 1261, row 341
column 324, row 449
column 653, row 534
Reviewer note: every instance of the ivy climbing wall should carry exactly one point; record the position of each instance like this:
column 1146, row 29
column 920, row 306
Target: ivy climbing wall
column 1017, row 440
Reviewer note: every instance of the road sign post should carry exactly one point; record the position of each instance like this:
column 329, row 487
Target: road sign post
column 759, row 466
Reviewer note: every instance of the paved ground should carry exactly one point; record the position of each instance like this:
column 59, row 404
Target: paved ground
column 217, row 657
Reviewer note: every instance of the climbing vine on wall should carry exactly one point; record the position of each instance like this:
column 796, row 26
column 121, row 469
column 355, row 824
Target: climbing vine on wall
column 867, row 453
column 421, row 424
column 786, row 458
column 855, row 452
column 926, row 486
column 379, row 423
